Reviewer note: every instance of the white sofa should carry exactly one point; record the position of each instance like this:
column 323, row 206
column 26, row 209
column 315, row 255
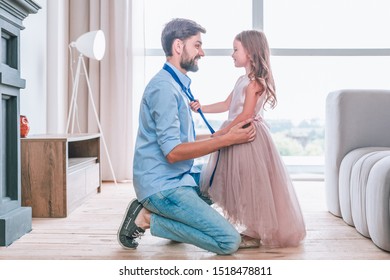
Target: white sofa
column 357, row 161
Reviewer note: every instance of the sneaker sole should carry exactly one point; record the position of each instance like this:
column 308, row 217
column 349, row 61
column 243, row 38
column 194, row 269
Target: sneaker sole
column 123, row 221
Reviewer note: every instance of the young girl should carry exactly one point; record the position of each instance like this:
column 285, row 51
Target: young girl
column 250, row 182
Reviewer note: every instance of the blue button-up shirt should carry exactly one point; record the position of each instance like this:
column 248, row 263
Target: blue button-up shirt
column 165, row 121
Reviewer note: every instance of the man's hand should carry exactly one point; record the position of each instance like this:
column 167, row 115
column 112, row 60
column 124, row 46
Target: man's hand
column 242, row 132
column 191, row 150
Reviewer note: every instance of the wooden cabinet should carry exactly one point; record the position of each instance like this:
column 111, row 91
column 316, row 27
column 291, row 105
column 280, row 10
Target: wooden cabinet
column 59, row 172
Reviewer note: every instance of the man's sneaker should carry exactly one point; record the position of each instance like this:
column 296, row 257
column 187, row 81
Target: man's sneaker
column 128, row 231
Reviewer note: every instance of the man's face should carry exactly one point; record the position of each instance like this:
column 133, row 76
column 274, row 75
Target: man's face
column 192, row 52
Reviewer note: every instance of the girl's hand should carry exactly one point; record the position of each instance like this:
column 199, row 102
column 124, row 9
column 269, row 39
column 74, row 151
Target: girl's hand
column 195, row 105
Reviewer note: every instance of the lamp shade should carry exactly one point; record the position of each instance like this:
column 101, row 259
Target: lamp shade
column 91, row 44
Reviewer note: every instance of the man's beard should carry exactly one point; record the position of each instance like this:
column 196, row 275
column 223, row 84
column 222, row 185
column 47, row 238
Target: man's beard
column 189, row 64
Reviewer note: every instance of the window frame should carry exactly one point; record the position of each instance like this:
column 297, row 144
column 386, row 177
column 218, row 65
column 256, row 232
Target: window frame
column 258, row 23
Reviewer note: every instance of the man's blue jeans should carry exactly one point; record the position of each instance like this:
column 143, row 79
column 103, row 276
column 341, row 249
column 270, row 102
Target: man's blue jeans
column 182, row 215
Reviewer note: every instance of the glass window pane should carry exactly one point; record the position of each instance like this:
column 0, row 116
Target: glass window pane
column 302, row 83
column 327, row 23
column 219, row 17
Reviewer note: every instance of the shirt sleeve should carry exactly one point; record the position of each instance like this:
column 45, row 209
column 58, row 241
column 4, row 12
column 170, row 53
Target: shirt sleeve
column 164, row 108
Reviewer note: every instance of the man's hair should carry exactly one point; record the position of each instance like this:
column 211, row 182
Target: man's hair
column 178, row 28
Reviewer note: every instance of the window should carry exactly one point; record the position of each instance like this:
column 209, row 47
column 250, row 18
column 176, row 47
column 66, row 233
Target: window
column 327, row 24
column 317, row 47
column 217, row 75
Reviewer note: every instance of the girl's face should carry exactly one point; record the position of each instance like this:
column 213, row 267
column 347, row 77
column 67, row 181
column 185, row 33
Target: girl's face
column 239, row 55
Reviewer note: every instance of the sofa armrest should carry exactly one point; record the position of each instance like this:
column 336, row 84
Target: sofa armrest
column 354, row 119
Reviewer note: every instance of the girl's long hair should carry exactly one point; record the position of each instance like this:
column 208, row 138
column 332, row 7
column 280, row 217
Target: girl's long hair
column 256, row 45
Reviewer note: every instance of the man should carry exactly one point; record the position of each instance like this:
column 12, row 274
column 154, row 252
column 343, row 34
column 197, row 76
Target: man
column 165, row 180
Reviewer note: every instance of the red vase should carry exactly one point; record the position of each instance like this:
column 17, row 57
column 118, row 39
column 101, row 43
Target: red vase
column 24, row 126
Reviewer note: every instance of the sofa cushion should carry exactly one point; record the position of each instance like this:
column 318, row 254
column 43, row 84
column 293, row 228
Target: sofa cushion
column 345, row 180
column 359, row 177
column 378, row 203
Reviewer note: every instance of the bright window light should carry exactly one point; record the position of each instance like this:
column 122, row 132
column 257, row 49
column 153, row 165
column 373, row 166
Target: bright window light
column 318, row 47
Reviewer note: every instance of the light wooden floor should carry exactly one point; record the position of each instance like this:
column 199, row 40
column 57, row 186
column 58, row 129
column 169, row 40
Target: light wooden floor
column 90, row 233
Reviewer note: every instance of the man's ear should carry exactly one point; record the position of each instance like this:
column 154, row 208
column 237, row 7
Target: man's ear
column 178, row 46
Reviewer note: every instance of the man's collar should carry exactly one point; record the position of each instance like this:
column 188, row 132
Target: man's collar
column 183, row 78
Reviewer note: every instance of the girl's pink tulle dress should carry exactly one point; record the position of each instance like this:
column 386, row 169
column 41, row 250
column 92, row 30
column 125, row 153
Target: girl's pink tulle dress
column 251, row 183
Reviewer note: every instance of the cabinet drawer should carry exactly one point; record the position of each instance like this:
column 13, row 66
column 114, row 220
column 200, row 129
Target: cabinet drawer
column 76, row 190
column 82, row 183
column 92, row 178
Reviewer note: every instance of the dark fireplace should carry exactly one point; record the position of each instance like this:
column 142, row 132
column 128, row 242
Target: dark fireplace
column 15, row 220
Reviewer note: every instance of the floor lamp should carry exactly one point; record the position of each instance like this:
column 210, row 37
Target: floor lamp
column 92, row 45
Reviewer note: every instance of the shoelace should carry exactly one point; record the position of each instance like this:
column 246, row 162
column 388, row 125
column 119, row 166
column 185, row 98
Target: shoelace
column 138, row 234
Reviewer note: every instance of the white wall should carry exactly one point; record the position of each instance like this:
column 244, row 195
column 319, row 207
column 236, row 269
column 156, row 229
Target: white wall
column 33, row 69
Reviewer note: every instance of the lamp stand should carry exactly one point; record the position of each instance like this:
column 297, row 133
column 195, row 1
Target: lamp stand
column 73, row 106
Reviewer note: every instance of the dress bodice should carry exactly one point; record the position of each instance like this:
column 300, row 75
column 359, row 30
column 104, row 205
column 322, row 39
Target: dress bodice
column 238, row 98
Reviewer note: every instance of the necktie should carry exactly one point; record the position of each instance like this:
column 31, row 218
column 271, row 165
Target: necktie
column 190, row 96
column 187, row 91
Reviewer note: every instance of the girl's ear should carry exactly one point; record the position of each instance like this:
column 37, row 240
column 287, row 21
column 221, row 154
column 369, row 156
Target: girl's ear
column 178, row 46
